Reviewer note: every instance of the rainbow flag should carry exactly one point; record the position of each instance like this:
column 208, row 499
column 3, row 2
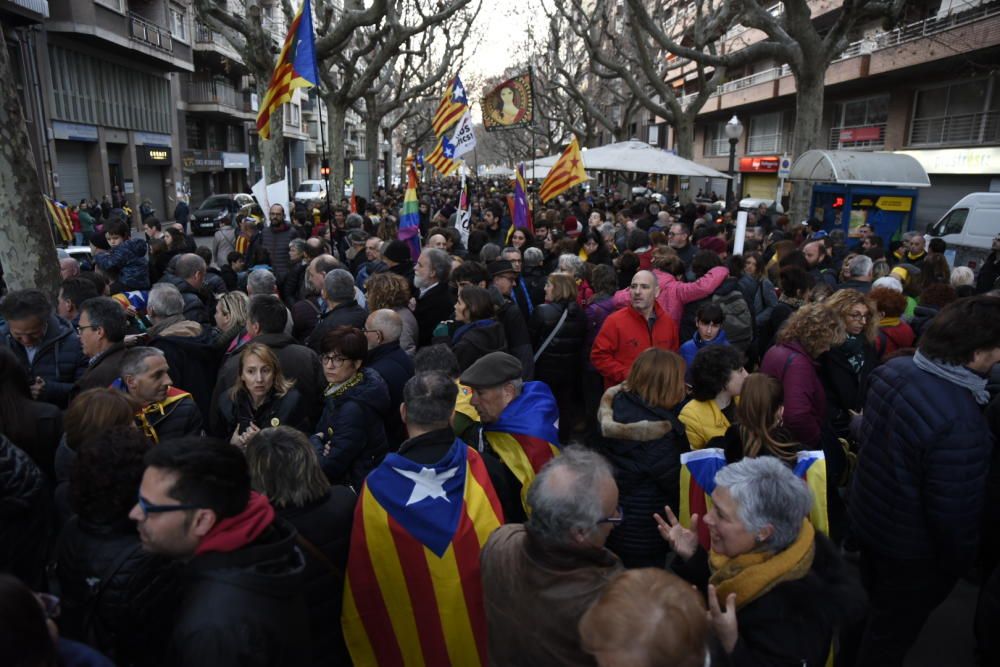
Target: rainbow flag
column 60, row 218
column 698, row 470
column 409, row 220
column 413, row 594
column 296, row 68
column 811, row 466
column 453, row 104
column 526, row 436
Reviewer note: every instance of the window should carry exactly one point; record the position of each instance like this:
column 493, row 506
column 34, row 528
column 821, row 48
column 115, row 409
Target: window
column 117, row 5
column 951, row 223
column 859, row 123
column 765, row 134
column 716, row 141
column 178, row 23
column 234, row 138
column 960, row 113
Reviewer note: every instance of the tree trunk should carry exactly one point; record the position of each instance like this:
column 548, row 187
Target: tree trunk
column 808, row 125
column 336, row 117
column 27, row 250
column 684, row 145
column 272, row 151
column 373, row 121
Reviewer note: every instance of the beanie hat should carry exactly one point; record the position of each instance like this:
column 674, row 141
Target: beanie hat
column 572, row 226
column 713, row 243
column 397, row 251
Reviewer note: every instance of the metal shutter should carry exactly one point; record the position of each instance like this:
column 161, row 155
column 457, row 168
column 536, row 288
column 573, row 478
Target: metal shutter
column 74, row 175
column 151, row 188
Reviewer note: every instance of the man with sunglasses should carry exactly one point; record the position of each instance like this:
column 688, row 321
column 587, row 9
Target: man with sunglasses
column 242, row 603
column 541, row 576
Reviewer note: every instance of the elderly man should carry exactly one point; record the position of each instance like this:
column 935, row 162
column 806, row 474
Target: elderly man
column 434, row 301
column 915, row 252
column 628, row 332
column 859, row 272
column 45, row 345
column 307, row 310
column 373, row 261
column 438, row 241
column 540, row 577
column 383, row 329
column 188, row 276
column 341, row 307
column 163, row 411
column 68, row 268
column 102, row 336
column 440, row 491
column 518, row 419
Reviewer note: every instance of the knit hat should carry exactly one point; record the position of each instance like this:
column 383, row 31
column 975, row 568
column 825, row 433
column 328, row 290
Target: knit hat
column 396, row 251
column 713, row 243
column 572, row 226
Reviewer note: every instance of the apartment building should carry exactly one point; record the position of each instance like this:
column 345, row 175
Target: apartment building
column 927, row 88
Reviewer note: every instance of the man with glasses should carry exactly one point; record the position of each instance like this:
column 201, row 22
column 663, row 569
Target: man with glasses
column 541, row 576
column 102, row 335
column 195, row 505
column 383, row 329
column 679, row 238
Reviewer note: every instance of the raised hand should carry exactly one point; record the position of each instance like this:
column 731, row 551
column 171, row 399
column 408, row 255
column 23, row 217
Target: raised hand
column 683, row 541
column 723, row 620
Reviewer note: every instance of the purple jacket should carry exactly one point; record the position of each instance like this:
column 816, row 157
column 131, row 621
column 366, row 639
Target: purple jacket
column 805, row 399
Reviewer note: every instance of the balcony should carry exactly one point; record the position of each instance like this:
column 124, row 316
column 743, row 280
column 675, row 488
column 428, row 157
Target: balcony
column 762, row 144
column 206, row 39
column 219, row 97
column 857, row 137
column 143, row 31
column 956, row 129
column 753, row 80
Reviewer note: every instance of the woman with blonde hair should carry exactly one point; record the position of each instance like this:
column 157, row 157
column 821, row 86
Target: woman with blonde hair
column 391, row 291
column 260, row 398
column 844, row 370
column 231, row 319
column 643, row 438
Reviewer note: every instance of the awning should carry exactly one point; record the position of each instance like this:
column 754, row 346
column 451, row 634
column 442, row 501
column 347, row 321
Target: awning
column 859, row 168
column 628, row 156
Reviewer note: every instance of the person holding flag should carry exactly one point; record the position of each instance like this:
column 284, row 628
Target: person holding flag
column 413, row 591
column 409, row 220
column 296, row 68
column 519, row 419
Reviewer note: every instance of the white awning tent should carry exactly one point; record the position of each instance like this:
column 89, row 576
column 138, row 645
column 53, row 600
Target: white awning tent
column 634, row 156
column 859, row 168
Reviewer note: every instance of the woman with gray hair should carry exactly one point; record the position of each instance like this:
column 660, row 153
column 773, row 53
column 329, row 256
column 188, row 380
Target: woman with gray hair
column 777, row 588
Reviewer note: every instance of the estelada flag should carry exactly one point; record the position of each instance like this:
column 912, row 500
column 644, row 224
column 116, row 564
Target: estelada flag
column 60, row 218
column 811, row 466
column 526, row 436
column 453, row 104
column 413, row 593
column 296, row 68
column 698, row 470
column 567, row 172
column 510, row 105
column 442, row 157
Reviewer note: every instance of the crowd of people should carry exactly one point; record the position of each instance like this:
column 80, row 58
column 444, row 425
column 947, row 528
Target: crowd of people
column 306, row 444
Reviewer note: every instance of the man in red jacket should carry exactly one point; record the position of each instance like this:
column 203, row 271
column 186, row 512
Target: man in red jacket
column 630, row 331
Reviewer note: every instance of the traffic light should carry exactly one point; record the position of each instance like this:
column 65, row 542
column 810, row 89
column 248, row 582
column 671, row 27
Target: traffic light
column 324, row 168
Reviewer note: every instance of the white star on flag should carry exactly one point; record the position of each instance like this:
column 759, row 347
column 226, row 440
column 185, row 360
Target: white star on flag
column 428, row 483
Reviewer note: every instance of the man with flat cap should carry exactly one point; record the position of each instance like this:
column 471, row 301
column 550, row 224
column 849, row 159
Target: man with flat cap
column 519, row 420
column 515, row 326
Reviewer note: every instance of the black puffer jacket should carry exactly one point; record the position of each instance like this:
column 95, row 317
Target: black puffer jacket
column 59, row 359
column 189, row 348
column 485, row 337
column 25, row 512
column 845, row 385
column 198, row 307
column 326, row 524
column 113, row 593
column 287, row 410
column 923, row 460
column 644, row 444
column 244, row 608
column 560, row 363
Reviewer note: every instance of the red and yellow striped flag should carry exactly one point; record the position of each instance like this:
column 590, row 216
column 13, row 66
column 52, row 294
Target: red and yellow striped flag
column 60, row 218
column 441, row 158
column 296, row 68
column 567, row 172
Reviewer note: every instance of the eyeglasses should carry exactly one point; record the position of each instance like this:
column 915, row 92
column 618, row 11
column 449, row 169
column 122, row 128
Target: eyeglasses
column 858, row 316
column 333, row 360
column 80, row 327
column 373, row 331
column 614, row 520
column 149, row 508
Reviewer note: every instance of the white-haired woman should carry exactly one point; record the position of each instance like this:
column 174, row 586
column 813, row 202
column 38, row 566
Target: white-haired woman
column 777, row 589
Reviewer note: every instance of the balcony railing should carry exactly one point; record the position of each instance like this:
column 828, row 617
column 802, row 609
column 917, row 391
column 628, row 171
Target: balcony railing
column 767, row 143
column 753, row 80
column 837, row 142
column 217, row 92
column 143, row 31
column 969, row 128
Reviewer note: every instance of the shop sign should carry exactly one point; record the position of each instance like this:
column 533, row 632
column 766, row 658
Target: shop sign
column 73, row 131
column 196, row 160
column 958, row 160
column 894, row 203
column 236, row 160
column 153, row 155
column 760, row 165
column 860, row 134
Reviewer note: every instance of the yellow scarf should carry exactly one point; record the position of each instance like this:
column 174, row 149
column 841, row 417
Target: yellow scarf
column 888, row 322
column 754, row 574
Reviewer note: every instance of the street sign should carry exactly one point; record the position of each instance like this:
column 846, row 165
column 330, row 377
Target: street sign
column 784, row 167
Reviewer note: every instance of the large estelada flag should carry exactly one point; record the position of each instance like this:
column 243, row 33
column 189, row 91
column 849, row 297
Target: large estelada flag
column 567, row 172
column 453, row 104
column 409, row 220
column 698, row 470
column 811, row 467
column 526, row 436
column 60, row 218
column 442, row 157
column 296, row 68
column 413, row 593
column 510, row 105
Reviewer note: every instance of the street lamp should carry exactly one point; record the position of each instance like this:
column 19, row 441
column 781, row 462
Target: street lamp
column 734, row 130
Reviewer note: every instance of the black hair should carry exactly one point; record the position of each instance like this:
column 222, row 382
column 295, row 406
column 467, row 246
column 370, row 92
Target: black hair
column 961, row 329
column 152, row 221
column 211, row 474
column 268, row 312
column 795, row 281
column 117, row 227
column 711, row 369
column 205, row 253
column 25, row 640
column 709, row 312
column 636, row 239
column 76, row 290
column 937, row 245
column 795, row 258
column 471, row 272
column 438, row 357
column 234, row 256
column 21, row 304
column 107, row 474
column 106, row 313
column 703, row 262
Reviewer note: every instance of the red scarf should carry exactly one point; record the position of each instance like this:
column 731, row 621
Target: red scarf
column 240, row 530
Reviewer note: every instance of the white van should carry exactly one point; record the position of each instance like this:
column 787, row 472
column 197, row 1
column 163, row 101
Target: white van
column 969, row 228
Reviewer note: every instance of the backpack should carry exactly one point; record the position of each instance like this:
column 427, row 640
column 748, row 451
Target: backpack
column 738, row 324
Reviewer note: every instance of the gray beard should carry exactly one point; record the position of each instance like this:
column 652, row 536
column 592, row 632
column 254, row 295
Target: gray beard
column 420, row 282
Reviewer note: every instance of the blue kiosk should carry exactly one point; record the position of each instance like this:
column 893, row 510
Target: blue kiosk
column 853, row 188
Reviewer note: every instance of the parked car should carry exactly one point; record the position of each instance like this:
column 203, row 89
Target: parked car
column 206, row 218
column 968, row 228
column 310, row 191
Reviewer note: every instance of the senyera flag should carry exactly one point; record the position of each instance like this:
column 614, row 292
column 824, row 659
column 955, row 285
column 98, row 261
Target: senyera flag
column 409, row 220
column 567, row 172
column 60, row 218
column 296, row 68
column 698, row 470
column 413, row 594
column 453, row 104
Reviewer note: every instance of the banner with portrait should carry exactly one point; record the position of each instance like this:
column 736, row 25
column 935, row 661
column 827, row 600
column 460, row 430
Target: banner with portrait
column 510, row 105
